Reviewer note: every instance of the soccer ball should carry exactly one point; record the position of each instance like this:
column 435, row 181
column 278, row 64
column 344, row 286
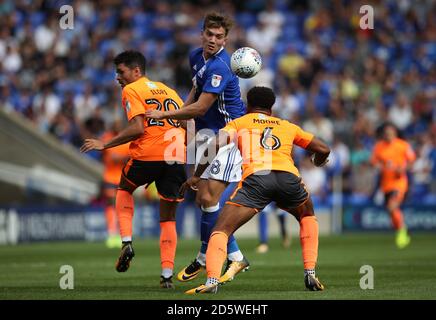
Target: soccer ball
column 246, row 62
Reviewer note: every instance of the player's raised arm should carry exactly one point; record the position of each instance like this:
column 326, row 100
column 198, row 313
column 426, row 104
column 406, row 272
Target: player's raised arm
column 320, row 152
column 196, row 109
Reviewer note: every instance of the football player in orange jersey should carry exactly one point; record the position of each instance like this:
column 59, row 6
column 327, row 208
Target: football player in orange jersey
column 114, row 160
column 269, row 174
column 157, row 153
column 393, row 157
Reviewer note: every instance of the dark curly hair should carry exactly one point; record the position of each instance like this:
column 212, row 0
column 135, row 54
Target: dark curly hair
column 261, row 97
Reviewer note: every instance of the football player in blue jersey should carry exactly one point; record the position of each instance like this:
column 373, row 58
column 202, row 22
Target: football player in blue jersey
column 214, row 100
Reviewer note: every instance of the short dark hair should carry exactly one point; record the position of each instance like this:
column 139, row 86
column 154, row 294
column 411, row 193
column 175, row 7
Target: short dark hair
column 131, row 59
column 217, row 20
column 261, row 97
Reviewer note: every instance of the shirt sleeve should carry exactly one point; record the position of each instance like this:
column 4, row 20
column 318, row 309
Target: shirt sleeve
column 410, row 154
column 375, row 155
column 132, row 103
column 217, row 78
column 231, row 130
column 302, row 138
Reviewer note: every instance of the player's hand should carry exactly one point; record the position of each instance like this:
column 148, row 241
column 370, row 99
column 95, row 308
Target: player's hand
column 155, row 114
column 92, row 144
column 190, row 183
column 312, row 159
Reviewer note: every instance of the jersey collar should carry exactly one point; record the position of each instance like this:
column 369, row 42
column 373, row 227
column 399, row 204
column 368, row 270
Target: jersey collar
column 218, row 52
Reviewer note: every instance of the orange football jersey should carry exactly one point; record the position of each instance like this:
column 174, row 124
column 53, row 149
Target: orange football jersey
column 114, row 160
column 266, row 142
column 163, row 140
column 392, row 156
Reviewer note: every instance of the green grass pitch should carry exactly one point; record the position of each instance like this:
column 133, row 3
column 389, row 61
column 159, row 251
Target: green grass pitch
column 31, row 271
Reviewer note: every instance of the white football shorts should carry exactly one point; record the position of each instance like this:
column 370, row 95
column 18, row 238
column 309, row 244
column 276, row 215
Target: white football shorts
column 226, row 166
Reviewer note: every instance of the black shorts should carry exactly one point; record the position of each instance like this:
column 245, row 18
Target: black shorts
column 168, row 177
column 398, row 195
column 258, row 190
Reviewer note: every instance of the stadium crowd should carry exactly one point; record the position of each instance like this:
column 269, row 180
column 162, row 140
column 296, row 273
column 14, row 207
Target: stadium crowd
column 331, row 77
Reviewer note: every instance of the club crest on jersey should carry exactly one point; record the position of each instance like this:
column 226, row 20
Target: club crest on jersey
column 151, row 85
column 127, row 104
column 216, row 80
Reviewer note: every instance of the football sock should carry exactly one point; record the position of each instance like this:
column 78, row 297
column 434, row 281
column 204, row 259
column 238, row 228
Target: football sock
column 397, row 219
column 233, row 251
column 168, row 244
column 111, row 220
column 201, row 258
column 309, row 271
column 167, row 272
column 235, row 256
column 309, row 241
column 282, row 220
column 263, row 227
column 208, row 218
column 211, row 281
column 216, row 254
column 124, row 207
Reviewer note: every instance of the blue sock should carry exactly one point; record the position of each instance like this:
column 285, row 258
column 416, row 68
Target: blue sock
column 232, row 245
column 282, row 221
column 263, row 227
column 208, row 220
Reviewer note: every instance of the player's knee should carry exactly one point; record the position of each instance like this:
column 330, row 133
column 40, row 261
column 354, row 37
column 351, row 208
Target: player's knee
column 126, row 185
column 304, row 210
column 205, row 200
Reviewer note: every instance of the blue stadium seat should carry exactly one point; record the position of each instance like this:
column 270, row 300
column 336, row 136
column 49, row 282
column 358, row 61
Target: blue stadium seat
column 37, row 18
column 246, row 19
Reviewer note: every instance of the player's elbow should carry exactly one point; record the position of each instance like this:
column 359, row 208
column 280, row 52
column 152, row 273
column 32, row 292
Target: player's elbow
column 138, row 130
column 319, row 147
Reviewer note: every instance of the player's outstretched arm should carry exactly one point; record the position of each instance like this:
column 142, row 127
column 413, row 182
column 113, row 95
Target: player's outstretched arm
column 320, row 152
column 134, row 129
column 194, row 110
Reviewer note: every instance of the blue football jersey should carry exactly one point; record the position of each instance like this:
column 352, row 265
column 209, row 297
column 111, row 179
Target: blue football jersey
column 215, row 76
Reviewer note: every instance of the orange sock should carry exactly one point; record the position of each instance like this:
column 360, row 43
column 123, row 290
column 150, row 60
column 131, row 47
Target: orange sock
column 124, row 207
column 168, row 244
column 309, row 241
column 216, row 254
column 397, row 219
column 111, row 220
